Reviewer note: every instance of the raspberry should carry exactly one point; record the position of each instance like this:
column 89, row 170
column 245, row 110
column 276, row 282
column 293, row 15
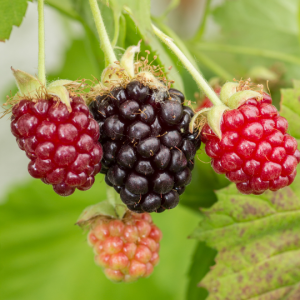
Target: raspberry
column 127, row 249
column 255, row 151
column 148, row 152
column 62, row 146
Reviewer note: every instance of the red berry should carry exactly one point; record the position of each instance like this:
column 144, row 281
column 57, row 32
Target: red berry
column 255, row 151
column 127, row 249
column 63, row 146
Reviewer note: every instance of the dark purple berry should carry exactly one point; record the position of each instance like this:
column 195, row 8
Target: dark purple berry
column 137, row 91
column 171, row 139
column 183, row 126
column 177, row 93
column 155, row 128
column 189, row 149
column 147, row 114
column 126, row 156
column 129, row 110
column 110, row 149
column 170, row 200
column 129, row 198
column 117, row 188
column 191, row 164
column 183, row 177
column 162, row 182
column 114, row 128
column 151, row 202
column 188, row 110
column 116, row 175
column 107, row 181
column 162, row 158
column 138, row 131
column 178, row 161
column 148, row 147
column 171, row 111
column 180, row 189
column 137, row 184
column 118, row 96
column 144, row 167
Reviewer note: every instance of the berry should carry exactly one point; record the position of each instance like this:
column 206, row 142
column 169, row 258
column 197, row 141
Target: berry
column 127, row 249
column 148, row 150
column 62, row 146
column 255, row 151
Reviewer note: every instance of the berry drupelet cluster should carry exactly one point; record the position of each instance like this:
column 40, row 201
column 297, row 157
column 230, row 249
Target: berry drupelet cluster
column 127, row 249
column 255, row 151
column 62, row 146
column 148, row 152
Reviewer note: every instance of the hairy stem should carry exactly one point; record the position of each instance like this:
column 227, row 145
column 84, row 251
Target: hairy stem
column 106, row 46
column 41, row 62
column 202, row 83
column 117, row 28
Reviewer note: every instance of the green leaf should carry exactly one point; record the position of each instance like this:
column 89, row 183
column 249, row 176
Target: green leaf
column 11, row 14
column 202, row 260
column 45, row 256
column 290, row 109
column 257, row 238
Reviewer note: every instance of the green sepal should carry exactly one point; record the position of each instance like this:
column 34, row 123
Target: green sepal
column 239, row 98
column 127, row 60
column 113, row 75
column 116, row 202
column 196, row 115
column 62, row 93
column 214, row 119
column 63, row 82
column 103, row 208
column 28, row 85
column 228, row 89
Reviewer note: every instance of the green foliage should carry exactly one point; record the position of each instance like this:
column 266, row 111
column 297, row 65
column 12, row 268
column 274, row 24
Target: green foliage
column 45, row 256
column 11, row 14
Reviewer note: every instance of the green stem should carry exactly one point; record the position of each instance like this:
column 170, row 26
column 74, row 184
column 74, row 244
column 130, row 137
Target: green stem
column 201, row 29
column 117, row 28
column 247, row 51
column 41, row 62
column 202, row 83
column 106, row 46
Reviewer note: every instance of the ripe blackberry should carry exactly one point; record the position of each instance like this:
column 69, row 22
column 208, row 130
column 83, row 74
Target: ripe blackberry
column 126, row 249
column 62, row 146
column 255, row 151
column 148, row 150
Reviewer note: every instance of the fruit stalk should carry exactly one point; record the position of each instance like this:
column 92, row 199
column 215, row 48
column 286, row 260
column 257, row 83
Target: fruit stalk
column 106, row 46
column 41, row 59
column 202, row 83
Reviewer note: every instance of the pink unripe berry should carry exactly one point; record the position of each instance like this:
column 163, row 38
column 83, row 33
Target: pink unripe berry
column 116, row 228
column 131, row 233
column 143, row 227
column 114, row 275
column 129, row 249
column 137, row 269
column 113, row 245
column 143, row 254
column 101, row 231
column 102, row 260
column 154, row 259
column 150, row 243
column 155, row 233
column 118, row 261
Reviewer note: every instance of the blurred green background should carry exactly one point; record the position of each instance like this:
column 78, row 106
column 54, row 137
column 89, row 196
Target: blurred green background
column 43, row 255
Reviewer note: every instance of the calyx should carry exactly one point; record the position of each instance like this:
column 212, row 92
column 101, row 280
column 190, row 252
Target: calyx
column 233, row 95
column 29, row 86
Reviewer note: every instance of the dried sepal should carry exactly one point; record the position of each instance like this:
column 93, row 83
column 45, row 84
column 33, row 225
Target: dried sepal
column 197, row 115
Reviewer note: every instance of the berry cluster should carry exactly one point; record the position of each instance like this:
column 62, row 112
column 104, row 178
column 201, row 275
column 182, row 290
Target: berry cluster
column 255, row 151
column 127, row 249
column 62, row 146
column 148, row 150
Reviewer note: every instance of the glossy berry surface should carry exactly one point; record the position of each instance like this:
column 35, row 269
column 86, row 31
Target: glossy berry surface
column 255, row 151
column 126, row 249
column 62, row 146
column 148, row 150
